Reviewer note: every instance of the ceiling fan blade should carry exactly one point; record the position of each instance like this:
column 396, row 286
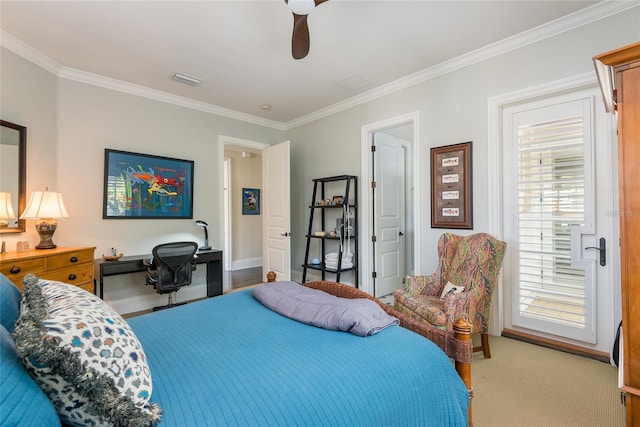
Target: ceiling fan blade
column 300, row 38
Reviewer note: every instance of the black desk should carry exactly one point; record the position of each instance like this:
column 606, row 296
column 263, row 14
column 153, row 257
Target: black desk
column 135, row 263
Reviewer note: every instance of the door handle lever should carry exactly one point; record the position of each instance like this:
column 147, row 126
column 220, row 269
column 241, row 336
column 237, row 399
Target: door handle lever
column 602, row 249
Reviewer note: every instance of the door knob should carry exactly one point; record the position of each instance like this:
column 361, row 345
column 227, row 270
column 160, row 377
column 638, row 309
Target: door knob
column 602, row 249
column 400, row 234
column 285, row 234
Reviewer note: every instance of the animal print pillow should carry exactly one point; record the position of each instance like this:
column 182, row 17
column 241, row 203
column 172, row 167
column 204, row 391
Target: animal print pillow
column 450, row 288
column 84, row 356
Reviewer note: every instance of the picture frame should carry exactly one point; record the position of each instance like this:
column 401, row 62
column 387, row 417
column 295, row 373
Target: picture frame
column 451, row 189
column 144, row 186
column 250, row 201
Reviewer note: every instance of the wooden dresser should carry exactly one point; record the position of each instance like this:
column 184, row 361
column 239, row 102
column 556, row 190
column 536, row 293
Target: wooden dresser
column 72, row 265
column 625, row 65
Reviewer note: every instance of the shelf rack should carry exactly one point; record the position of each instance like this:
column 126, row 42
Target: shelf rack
column 346, row 231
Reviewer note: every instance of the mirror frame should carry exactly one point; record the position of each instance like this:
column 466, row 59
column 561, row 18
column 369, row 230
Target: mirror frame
column 22, row 178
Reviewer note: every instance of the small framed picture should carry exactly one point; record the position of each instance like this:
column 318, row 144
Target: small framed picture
column 250, row 201
column 451, row 201
column 337, row 200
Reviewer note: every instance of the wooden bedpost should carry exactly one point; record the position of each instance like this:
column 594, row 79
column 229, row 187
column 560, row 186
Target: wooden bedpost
column 462, row 331
column 271, row 276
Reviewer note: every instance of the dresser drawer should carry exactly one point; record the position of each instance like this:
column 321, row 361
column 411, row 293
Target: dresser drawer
column 75, row 275
column 15, row 270
column 69, row 259
column 72, row 265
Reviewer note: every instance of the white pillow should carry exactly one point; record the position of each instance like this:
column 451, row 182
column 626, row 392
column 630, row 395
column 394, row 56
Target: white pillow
column 84, row 356
column 450, row 288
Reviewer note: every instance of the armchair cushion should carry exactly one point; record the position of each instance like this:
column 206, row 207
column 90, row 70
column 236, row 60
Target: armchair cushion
column 422, row 307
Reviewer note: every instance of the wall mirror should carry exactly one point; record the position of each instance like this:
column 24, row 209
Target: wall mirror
column 13, row 174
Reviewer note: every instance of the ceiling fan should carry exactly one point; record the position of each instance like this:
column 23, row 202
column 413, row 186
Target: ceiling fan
column 300, row 38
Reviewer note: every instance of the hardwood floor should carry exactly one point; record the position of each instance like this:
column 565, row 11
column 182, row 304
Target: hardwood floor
column 244, row 277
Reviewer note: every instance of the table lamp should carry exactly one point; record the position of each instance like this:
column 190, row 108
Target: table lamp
column 204, row 225
column 45, row 207
column 6, row 209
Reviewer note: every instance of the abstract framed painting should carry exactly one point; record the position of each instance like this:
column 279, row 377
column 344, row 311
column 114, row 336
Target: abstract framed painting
column 144, row 186
column 250, row 201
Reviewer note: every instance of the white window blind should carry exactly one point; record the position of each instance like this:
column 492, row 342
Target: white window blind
column 551, row 199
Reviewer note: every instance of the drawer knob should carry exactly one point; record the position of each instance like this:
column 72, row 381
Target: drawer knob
column 14, row 270
column 72, row 276
column 73, row 259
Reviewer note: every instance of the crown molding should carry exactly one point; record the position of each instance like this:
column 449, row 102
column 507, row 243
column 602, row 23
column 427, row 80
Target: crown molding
column 157, row 95
column 594, row 13
column 30, row 54
column 27, row 52
column 577, row 19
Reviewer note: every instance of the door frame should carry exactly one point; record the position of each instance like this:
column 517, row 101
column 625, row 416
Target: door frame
column 226, row 233
column 495, row 107
column 366, row 219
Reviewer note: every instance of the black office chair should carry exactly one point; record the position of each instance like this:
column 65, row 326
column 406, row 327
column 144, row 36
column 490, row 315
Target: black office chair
column 171, row 268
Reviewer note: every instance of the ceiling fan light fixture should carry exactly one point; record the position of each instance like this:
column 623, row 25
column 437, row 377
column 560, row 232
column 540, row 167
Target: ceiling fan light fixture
column 183, row 78
column 301, row 7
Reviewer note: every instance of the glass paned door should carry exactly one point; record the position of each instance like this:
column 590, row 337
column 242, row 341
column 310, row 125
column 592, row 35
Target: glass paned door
column 552, row 207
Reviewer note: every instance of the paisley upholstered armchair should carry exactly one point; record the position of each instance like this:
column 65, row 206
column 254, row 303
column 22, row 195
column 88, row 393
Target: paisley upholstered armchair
column 461, row 286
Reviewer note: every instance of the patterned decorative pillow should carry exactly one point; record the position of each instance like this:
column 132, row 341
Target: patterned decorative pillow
column 84, row 356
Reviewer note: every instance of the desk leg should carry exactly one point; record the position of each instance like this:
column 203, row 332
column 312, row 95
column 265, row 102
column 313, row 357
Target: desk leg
column 214, row 278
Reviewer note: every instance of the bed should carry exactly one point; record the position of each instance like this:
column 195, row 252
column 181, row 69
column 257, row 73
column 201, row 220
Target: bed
column 230, row 360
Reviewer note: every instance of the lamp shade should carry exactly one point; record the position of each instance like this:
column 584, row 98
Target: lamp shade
column 6, row 208
column 45, row 204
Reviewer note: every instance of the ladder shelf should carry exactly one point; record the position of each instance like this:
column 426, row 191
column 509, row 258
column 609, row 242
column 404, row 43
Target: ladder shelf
column 337, row 246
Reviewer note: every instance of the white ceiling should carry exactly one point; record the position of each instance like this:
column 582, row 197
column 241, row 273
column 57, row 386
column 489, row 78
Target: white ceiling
column 241, row 49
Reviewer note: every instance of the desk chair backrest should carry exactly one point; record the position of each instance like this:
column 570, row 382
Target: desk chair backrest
column 174, row 264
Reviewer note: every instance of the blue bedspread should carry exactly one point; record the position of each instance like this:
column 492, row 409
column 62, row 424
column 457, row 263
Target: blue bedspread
column 231, row 361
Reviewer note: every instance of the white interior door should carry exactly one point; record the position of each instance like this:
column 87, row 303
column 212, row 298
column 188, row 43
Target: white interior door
column 390, row 166
column 276, row 218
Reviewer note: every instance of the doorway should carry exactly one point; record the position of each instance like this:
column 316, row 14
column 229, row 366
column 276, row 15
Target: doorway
column 239, row 158
column 390, row 187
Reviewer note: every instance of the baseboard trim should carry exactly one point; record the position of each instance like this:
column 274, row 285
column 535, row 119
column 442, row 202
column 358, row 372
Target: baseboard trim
column 241, row 264
column 556, row 345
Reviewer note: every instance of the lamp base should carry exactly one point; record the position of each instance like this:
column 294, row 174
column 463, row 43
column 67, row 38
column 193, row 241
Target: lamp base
column 45, row 229
column 204, row 248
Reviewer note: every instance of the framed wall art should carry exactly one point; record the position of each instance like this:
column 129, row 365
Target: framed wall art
column 451, row 201
column 142, row 186
column 250, row 201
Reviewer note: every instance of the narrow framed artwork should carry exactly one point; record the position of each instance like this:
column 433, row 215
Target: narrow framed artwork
column 143, row 186
column 250, row 201
column 451, row 189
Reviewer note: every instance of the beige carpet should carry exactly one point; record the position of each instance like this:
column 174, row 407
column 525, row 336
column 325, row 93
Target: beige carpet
column 524, row 385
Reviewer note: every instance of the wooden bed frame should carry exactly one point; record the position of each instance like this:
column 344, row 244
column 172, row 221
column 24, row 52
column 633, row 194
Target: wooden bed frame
column 456, row 344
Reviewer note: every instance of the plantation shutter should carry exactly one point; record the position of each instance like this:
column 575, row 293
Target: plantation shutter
column 551, row 199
